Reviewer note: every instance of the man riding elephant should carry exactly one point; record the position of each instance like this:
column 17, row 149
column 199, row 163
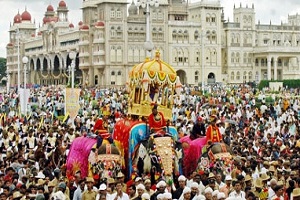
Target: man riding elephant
column 156, row 121
column 100, row 129
column 213, row 134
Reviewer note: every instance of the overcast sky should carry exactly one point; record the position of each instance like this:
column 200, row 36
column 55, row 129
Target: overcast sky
column 266, row 10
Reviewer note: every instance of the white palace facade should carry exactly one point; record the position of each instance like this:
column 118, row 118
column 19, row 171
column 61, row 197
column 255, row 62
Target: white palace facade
column 109, row 41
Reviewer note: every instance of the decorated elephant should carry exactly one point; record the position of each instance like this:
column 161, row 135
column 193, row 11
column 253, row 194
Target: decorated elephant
column 197, row 155
column 158, row 156
column 192, row 152
column 217, row 156
column 135, row 142
column 84, row 155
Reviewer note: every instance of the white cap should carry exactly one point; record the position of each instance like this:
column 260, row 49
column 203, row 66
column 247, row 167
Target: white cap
column 199, row 197
column 221, row 195
column 145, row 196
column 138, row 179
column 181, row 178
column 228, row 178
column 208, row 190
column 194, row 185
column 102, row 187
column 168, row 195
column 186, row 190
column 160, row 196
column 140, row 187
column 215, row 193
column 40, row 175
column 161, row 184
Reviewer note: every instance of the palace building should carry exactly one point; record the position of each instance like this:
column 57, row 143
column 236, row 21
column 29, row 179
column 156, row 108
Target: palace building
column 194, row 38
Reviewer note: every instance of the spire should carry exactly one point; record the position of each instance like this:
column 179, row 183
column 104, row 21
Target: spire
column 246, row 5
column 270, row 22
column 252, row 5
column 233, row 6
column 240, row 4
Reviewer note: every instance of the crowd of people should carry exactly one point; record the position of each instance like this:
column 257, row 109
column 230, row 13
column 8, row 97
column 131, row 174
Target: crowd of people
column 264, row 139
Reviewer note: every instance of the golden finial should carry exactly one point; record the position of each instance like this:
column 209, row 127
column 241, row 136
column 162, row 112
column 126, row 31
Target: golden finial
column 157, row 55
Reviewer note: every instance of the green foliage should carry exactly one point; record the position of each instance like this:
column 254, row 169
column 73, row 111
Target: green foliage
column 2, row 67
column 290, row 83
column 263, row 83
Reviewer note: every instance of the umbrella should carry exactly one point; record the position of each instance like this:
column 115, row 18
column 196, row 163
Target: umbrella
column 230, row 121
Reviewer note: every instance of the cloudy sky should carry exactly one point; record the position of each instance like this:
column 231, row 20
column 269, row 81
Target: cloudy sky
column 266, row 10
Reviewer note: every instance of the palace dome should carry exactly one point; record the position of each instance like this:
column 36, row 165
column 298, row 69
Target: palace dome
column 50, row 8
column 26, row 16
column 84, row 27
column 99, row 24
column 133, row 9
column 62, row 4
column 18, row 18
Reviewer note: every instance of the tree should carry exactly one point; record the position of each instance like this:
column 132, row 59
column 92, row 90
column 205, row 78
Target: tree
column 2, row 67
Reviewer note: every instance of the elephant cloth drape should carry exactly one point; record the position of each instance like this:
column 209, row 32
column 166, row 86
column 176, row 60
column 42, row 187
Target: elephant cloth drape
column 78, row 155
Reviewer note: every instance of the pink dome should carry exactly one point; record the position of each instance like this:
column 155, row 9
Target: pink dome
column 39, row 33
column 80, row 23
column 18, row 18
column 84, row 27
column 62, row 4
column 71, row 25
column 26, row 16
column 50, row 8
column 46, row 20
column 99, row 24
column 32, row 35
column 10, row 44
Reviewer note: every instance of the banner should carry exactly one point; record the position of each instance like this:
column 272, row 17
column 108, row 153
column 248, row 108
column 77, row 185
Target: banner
column 78, row 156
column 72, row 101
column 24, row 96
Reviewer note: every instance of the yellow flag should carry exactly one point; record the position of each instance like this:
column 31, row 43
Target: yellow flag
column 67, row 116
column 41, row 122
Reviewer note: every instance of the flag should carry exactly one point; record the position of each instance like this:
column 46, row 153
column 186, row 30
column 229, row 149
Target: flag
column 41, row 122
column 66, row 118
column 1, row 120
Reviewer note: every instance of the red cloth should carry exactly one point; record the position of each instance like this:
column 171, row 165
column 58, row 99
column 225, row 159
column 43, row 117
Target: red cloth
column 158, row 122
column 213, row 134
column 100, row 129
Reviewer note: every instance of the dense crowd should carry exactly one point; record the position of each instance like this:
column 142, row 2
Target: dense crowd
column 263, row 136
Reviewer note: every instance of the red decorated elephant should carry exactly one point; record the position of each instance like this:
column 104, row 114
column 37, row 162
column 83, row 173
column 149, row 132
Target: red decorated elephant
column 129, row 135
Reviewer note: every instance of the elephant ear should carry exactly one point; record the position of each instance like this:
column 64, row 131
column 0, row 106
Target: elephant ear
column 185, row 145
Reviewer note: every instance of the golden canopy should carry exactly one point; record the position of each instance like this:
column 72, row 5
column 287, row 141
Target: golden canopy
column 153, row 71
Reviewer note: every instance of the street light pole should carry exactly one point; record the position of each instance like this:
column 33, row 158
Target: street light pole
column 8, row 82
column 72, row 56
column 203, row 58
column 25, row 61
column 148, row 45
column 18, row 51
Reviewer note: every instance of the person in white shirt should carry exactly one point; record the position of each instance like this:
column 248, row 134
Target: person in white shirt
column 219, row 180
column 271, row 191
column 119, row 194
column 237, row 193
column 78, row 192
